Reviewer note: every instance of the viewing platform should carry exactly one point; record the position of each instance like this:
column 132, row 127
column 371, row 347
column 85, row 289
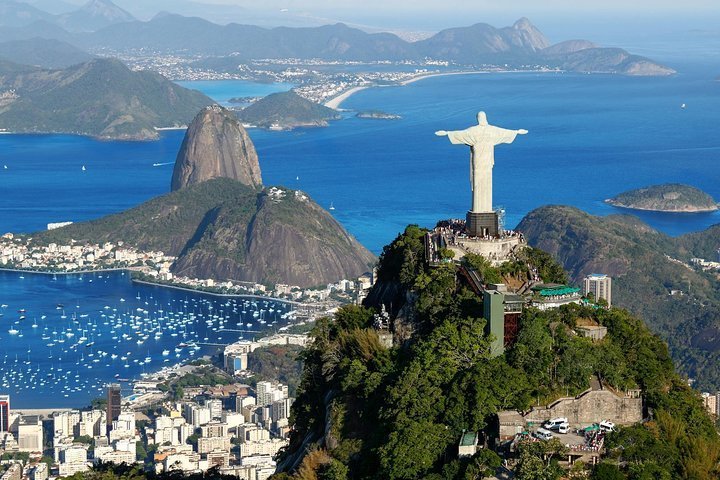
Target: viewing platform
column 452, row 235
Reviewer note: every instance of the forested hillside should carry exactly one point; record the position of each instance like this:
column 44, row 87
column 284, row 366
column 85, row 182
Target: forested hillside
column 367, row 411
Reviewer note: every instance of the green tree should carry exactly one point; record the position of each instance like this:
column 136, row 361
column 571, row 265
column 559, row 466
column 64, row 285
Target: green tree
column 483, row 464
column 607, row 471
column 539, row 460
column 333, row 470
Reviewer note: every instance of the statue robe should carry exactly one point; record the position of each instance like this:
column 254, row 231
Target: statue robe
column 482, row 140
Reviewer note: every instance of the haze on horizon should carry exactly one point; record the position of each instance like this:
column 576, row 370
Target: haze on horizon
column 432, row 15
column 662, row 28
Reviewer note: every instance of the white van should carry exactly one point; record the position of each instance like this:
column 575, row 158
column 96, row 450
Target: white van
column 543, row 434
column 607, row 426
column 563, row 428
column 554, row 423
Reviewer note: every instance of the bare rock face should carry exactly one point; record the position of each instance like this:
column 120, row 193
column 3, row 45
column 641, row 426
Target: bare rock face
column 278, row 236
column 216, row 146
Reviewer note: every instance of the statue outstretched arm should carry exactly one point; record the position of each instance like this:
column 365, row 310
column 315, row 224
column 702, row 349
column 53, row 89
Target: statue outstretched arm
column 522, row 131
column 441, row 133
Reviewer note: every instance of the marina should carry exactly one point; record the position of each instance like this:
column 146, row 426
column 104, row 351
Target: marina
column 66, row 336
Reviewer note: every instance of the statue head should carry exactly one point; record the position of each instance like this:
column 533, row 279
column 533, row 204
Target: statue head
column 482, row 119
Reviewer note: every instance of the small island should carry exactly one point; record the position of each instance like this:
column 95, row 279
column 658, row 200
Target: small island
column 285, row 111
column 670, row 197
column 378, row 115
column 243, row 100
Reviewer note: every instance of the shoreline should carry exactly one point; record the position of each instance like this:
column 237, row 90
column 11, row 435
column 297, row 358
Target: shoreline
column 641, row 209
column 221, row 295
column 157, row 284
column 440, row 74
column 336, row 101
column 166, row 129
column 77, row 272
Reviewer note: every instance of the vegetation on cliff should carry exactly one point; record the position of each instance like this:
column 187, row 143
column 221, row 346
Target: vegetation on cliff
column 670, row 197
column 222, row 229
column 102, row 98
column 367, row 411
column 652, row 277
column 277, row 363
column 287, row 110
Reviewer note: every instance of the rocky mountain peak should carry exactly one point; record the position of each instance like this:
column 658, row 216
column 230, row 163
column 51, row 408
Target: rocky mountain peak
column 216, row 146
column 108, row 10
column 529, row 35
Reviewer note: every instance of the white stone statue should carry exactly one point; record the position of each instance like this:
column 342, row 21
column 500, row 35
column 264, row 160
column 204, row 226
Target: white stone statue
column 482, row 140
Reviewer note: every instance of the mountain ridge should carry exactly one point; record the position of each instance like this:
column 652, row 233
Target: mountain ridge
column 101, row 98
column 652, row 276
column 478, row 44
column 225, row 230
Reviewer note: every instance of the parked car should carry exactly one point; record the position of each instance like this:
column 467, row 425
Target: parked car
column 553, row 423
column 543, row 434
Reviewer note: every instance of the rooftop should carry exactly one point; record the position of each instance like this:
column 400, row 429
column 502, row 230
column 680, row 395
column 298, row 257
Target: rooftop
column 552, row 290
column 468, row 439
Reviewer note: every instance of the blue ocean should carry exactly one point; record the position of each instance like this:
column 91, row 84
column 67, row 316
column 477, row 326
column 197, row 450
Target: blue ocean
column 591, row 137
column 64, row 337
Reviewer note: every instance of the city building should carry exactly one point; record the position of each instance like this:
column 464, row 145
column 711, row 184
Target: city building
column 268, row 392
column 600, row 286
column 196, row 415
column 265, row 447
column 14, row 472
column 502, row 311
column 215, row 406
column 4, row 413
column 30, row 434
column 211, row 444
column 114, row 400
column 468, row 445
column 73, row 459
column 40, row 472
column 549, row 296
column 710, row 403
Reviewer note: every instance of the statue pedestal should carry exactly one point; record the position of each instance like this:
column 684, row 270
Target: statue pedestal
column 482, row 224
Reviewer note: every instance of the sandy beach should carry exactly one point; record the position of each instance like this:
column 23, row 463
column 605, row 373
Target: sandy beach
column 335, row 102
column 430, row 75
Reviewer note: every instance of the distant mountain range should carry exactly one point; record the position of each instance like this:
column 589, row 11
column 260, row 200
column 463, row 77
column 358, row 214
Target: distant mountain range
column 43, row 53
column 94, row 15
column 100, row 24
column 520, row 44
column 101, row 98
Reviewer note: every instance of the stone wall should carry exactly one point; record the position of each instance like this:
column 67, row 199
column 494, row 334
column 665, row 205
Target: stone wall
column 590, row 407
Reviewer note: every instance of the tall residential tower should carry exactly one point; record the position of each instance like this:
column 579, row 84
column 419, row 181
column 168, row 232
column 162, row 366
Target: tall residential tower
column 600, row 286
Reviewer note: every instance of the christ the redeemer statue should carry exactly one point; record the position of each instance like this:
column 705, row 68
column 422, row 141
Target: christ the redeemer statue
column 482, row 140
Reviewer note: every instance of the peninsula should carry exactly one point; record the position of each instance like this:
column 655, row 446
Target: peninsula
column 220, row 223
column 102, row 98
column 285, row 111
column 670, row 197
